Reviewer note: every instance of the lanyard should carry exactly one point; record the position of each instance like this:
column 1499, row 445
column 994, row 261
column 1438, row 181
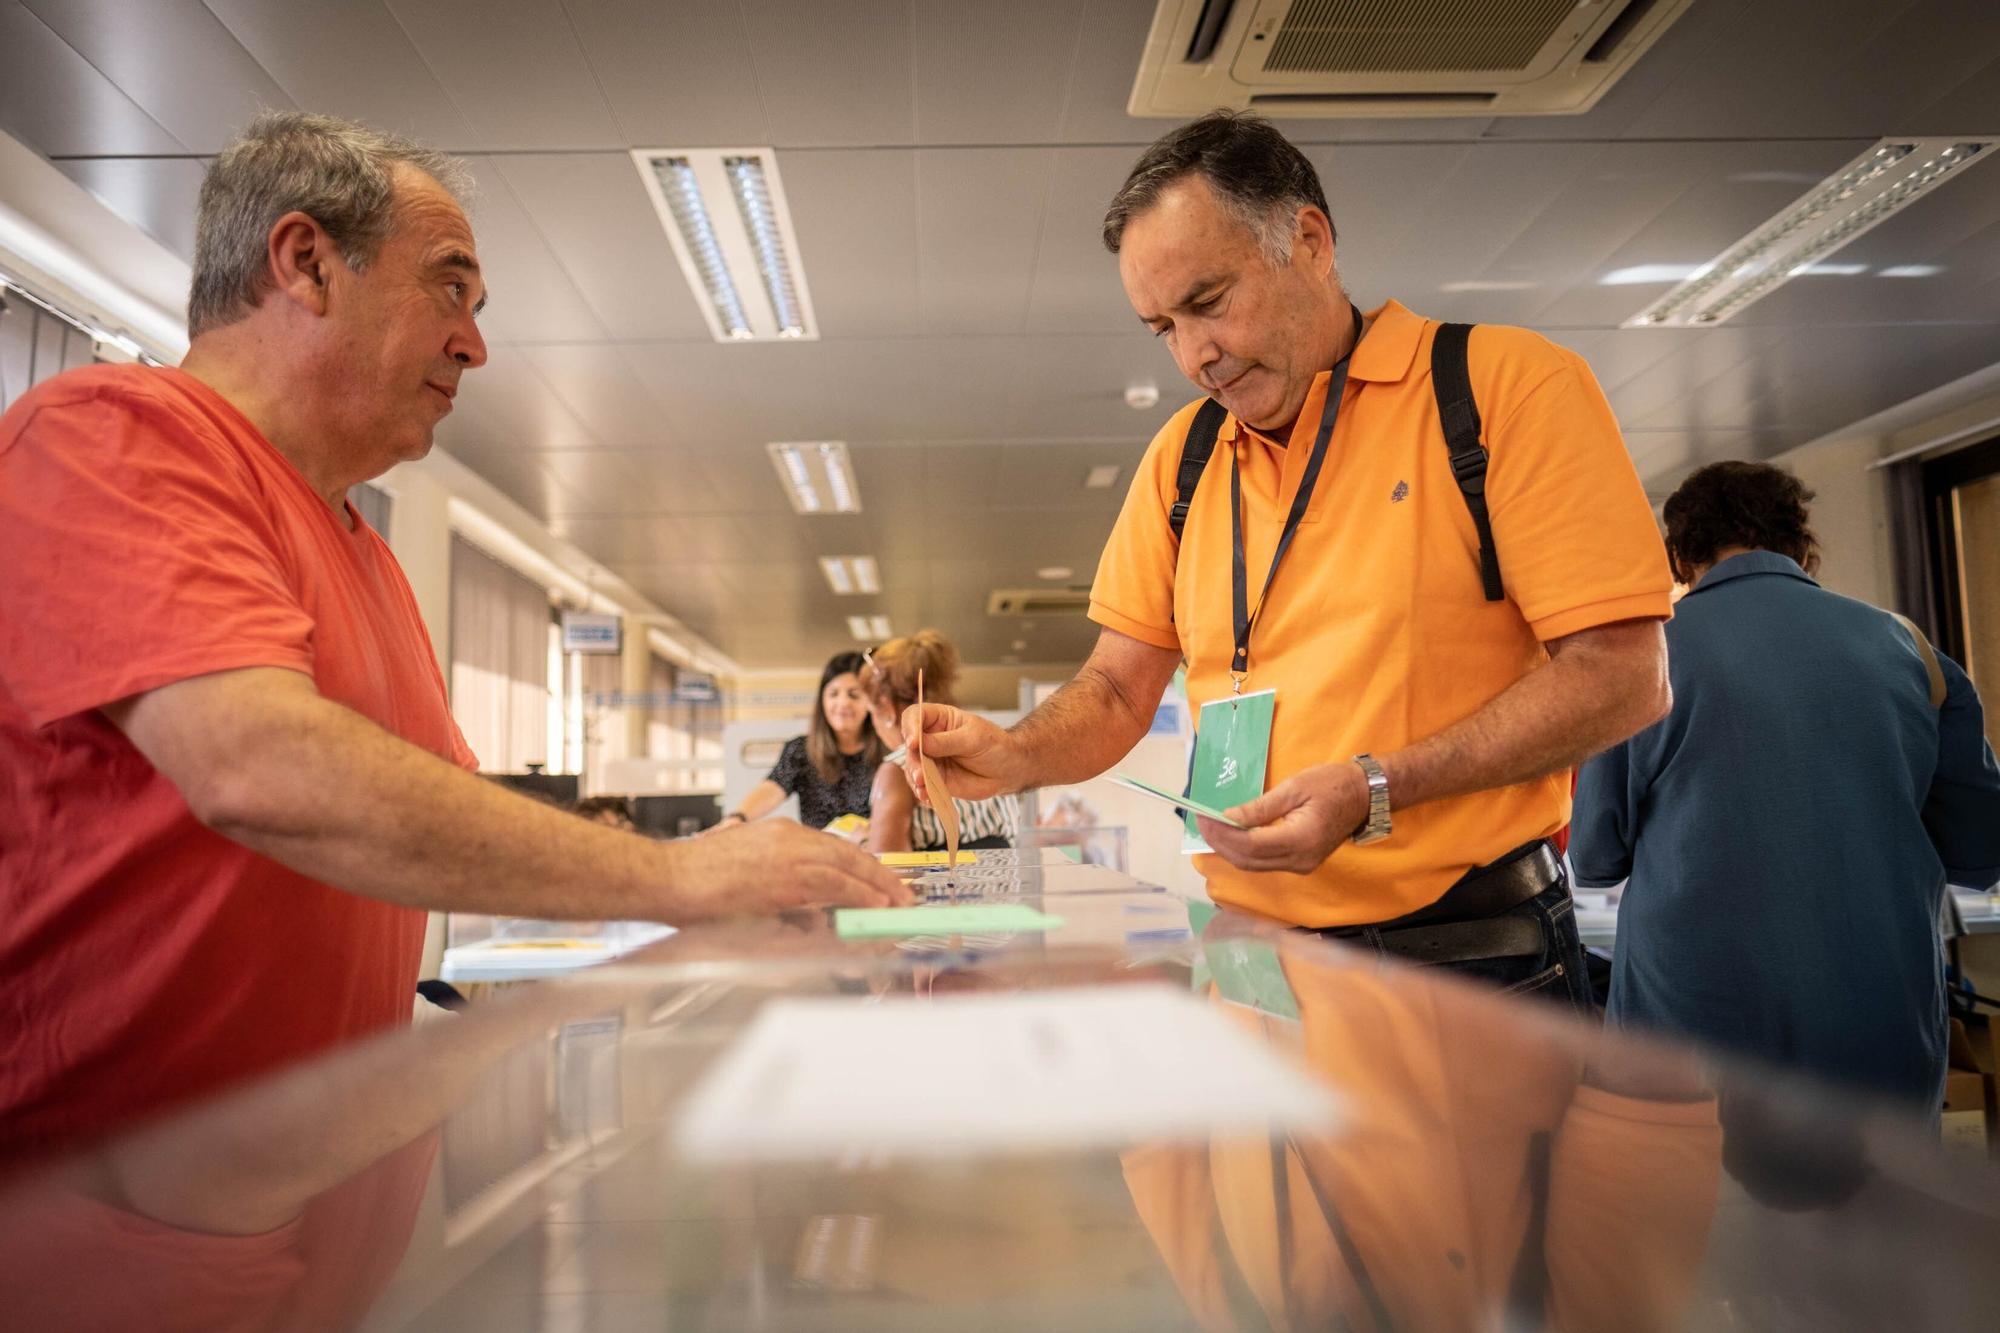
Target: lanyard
column 1244, row 617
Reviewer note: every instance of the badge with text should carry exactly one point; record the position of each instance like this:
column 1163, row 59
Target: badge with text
column 1232, row 750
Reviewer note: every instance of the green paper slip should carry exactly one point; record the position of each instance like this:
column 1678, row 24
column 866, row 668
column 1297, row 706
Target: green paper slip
column 864, row 923
column 1232, row 746
column 1173, row 798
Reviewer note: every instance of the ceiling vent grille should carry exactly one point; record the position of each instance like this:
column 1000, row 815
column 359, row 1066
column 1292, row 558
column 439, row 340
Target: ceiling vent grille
column 1038, row 601
column 1368, row 36
column 1383, row 58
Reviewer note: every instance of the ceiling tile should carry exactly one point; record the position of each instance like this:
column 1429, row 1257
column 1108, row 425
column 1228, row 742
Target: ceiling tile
column 352, row 60
column 980, row 216
column 514, row 70
column 855, row 215
column 1030, row 45
column 173, row 59
column 675, row 76
column 531, row 295
column 836, row 72
column 593, row 211
column 602, row 392
column 507, row 405
column 58, row 103
column 1076, row 287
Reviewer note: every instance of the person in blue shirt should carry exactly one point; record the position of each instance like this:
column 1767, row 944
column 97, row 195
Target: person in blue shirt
column 1788, row 828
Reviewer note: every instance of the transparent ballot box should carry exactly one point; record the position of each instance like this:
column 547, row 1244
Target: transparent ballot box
column 1133, row 1112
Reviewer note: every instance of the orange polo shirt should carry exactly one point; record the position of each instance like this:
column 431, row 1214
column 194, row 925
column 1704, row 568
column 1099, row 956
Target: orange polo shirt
column 1376, row 633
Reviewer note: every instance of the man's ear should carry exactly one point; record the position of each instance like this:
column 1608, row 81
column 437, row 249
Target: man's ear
column 1312, row 240
column 301, row 258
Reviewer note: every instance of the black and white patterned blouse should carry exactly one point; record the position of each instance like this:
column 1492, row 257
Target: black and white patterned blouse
column 820, row 803
column 995, row 818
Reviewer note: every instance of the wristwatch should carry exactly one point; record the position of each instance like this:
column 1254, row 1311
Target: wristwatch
column 1376, row 826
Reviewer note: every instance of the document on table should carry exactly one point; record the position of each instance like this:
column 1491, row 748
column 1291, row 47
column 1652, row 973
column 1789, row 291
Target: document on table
column 868, row 923
column 839, row 1078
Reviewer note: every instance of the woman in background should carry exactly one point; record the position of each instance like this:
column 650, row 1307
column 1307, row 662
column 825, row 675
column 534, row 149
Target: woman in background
column 900, row 824
column 830, row 767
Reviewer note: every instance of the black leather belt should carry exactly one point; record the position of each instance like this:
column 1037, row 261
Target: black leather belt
column 1470, row 922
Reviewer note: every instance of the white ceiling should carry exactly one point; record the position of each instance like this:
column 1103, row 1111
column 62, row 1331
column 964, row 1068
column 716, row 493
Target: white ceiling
column 947, row 163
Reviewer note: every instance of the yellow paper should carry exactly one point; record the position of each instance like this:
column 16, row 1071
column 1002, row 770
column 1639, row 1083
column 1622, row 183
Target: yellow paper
column 923, row 860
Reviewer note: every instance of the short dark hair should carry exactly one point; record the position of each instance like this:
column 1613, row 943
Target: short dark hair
column 1255, row 171
column 1739, row 504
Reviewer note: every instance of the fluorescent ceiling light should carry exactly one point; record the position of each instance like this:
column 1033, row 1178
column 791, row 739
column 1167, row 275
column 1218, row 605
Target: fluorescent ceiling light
column 880, row 626
column 1874, row 187
column 817, row 477
column 1638, row 274
column 725, row 215
column 1911, row 271
column 760, row 222
column 850, row 575
column 858, row 627
column 1486, row 285
column 1100, row 477
column 1054, row 572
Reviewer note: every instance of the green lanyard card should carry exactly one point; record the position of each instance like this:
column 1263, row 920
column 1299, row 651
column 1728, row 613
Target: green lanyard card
column 1232, row 753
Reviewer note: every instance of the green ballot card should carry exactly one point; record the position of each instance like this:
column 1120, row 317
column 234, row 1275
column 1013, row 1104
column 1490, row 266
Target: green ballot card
column 870, row 923
column 1175, row 799
column 1232, row 750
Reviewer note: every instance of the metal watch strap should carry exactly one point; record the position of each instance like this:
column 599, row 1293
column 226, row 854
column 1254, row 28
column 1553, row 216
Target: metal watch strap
column 1376, row 826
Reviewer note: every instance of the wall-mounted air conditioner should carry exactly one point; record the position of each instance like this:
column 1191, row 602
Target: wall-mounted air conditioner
column 1390, row 58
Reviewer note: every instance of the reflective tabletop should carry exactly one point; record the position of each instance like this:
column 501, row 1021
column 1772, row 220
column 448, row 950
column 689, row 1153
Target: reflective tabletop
column 1133, row 1112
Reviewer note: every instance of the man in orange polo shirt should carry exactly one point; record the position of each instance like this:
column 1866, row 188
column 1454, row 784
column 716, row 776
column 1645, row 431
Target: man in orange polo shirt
column 1429, row 706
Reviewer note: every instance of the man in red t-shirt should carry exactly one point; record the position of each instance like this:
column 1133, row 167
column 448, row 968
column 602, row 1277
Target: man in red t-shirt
column 229, row 779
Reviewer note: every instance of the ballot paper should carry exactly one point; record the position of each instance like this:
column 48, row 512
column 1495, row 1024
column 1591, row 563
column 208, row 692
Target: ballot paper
column 1179, row 802
column 965, row 1075
column 867, row 923
column 935, row 793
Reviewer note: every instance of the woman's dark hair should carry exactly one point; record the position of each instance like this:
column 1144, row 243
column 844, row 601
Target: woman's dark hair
column 822, row 746
column 1256, row 173
column 1739, row 504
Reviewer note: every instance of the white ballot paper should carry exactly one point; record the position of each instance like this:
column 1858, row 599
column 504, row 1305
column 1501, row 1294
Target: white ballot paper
column 854, row 1079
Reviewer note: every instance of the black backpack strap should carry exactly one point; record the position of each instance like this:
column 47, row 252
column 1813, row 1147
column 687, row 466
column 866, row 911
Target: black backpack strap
column 1195, row 449
column 1451, row 381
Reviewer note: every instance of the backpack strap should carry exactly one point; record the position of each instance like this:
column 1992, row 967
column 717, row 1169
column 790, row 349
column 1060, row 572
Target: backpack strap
column 1451, row 381
column 1932, row 670
column 1195, row 449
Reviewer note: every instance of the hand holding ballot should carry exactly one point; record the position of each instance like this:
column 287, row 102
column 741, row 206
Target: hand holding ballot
column 976, row 758
column 1297, row 824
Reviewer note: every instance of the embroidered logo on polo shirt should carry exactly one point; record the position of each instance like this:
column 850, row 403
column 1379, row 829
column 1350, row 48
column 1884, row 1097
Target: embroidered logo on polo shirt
column 1400, row 494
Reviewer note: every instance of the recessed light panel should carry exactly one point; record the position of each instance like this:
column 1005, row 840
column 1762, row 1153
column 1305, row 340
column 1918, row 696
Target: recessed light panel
column 1868, row 191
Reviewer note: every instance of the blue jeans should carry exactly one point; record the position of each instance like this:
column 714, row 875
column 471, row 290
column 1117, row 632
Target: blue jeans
column 1558, row 972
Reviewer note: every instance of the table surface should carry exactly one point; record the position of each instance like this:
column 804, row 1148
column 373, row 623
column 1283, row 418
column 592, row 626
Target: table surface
column 531, row 1164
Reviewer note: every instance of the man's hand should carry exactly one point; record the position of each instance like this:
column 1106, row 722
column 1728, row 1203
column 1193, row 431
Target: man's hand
column 975, row 758
column 772, row 866
column 1297, row 824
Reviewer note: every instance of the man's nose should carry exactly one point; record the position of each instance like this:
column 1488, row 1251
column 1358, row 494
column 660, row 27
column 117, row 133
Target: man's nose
column 468, row 346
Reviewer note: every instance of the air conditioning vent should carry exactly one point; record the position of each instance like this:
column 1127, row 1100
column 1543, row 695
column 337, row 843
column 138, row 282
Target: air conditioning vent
column 1038, row 601
column 1386, row 58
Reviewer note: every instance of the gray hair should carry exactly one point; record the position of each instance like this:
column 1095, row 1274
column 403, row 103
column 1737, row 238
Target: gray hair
column 338, row 173
column 1258, row 176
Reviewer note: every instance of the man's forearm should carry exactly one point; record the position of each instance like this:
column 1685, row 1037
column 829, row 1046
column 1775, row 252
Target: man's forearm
column 1079, row 731
column 319, row 788
column 1581, row 702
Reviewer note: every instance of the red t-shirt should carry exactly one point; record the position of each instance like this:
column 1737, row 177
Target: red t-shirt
column 152, row 534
